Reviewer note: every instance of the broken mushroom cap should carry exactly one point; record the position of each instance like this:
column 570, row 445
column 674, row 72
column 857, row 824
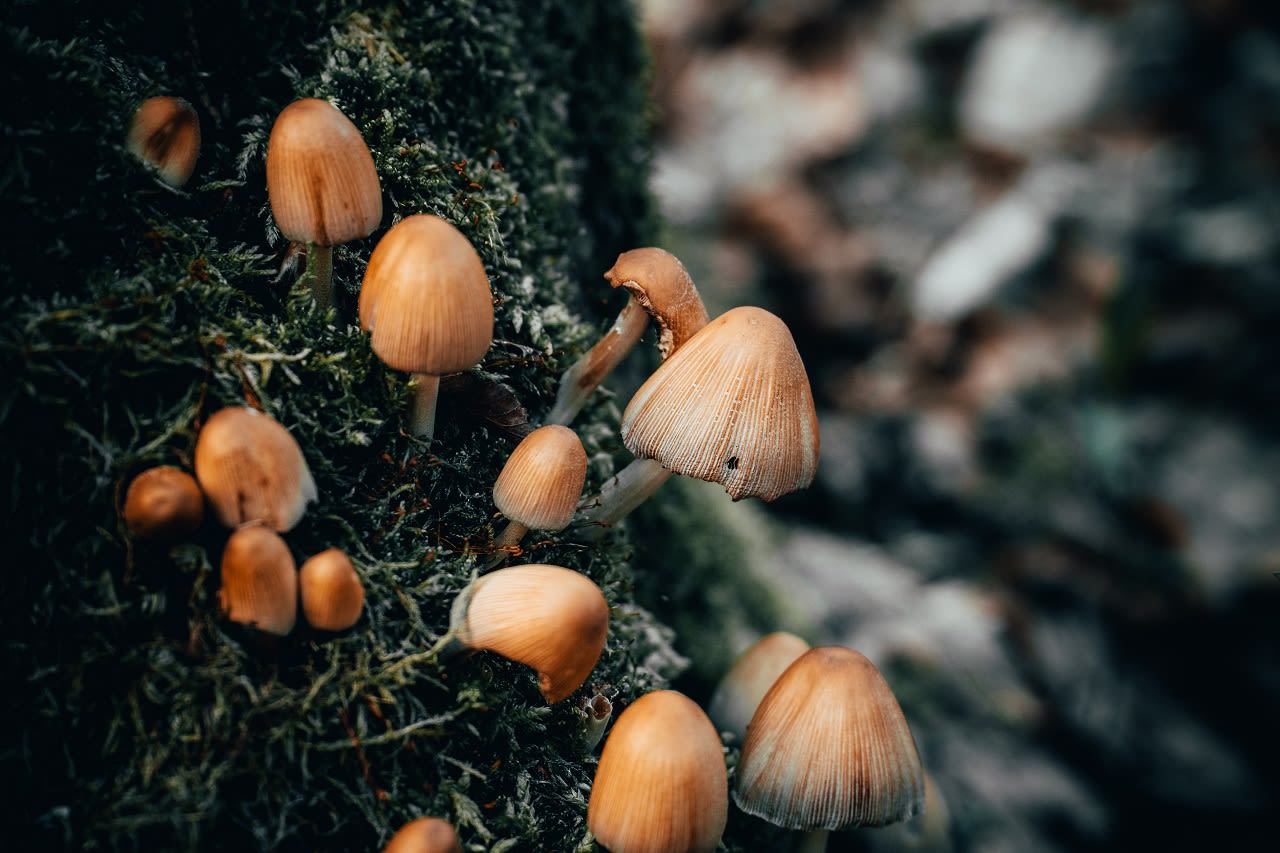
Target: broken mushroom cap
column 425, row 835
column 753, row 672
column 829, row 748
column 547, row 617
column 163, row 503
column 427, row 303
column 251, row 469
column 661, row 783
column 259, row 586
column 541, row 482
column 331, row 591
column 321, row 180
column 165, row 132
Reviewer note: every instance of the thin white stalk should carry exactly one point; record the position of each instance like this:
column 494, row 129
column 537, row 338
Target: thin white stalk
column 506, row 543
column 422, row 411
column 585, row 375
column 620, row 494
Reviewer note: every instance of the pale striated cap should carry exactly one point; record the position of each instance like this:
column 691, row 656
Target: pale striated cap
column 733, row 406
column 321, row 180
column 331, row 592
column 660, row 283
column 259, row 580
column 425, row 835
column 165, row 132
column 426, row 298
column 661, row 784
column 829, row 748
column 251, row 469
column 542, row 481
column 752, row 674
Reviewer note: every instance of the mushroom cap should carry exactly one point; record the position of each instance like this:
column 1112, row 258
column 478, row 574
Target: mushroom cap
column 425, row 835
column 163, row 503
column 250, row 468
column 731, row 406
column 165, row 132
column 752, row 674
column 661, row 784
column 542, row 481
column 660, row 283
column 259, row 580
column 547, row 617
column 829, row 748
column 331, row 591
column 321, row 180
column 426, row 298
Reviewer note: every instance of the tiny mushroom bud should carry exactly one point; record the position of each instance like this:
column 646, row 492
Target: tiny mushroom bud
column 322, row 184
column 731, row 406
column 829, row 748
column 540, row 485
column 331, row 592
column 425, row 835
column 250, row 468
column 163, row 503
column 547, row 617
column 165, row 132
column 753, row 672
column 661, row 784
column 427, row 302
column 659, row 287
column 259, row 580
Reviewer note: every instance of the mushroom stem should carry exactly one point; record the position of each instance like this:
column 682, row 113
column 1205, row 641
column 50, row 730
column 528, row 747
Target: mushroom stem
column 320, row 271
column 586, row 374
column 620, row 494
column 422, row 410
column 505, row 544
column 813, row 841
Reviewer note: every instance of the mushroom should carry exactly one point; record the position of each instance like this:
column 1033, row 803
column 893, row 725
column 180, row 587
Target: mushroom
column 331, row 592
column 427, row 302
column 322, row 185
column 547, row 617
column 540, row 485
column 661, row 784
column 659, row 287
column 731, row 406
column 752, row 674
column 829, row 748
column 165, row 132
column 250, row 468
column 425, row 835
column 163, row 503
column 259, row 580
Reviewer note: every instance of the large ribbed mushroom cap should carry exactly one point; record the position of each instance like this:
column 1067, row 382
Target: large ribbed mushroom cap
column 660, row 283
column 829, row 748
column 321, row 179
column 165, row 132
column 753, row 672
column 542, row 481
column 732, row 406
column 426, row 298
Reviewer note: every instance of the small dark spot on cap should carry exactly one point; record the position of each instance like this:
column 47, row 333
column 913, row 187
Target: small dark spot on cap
column 732, row 463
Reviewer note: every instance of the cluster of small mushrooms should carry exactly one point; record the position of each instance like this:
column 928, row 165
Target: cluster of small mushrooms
column 824, row 743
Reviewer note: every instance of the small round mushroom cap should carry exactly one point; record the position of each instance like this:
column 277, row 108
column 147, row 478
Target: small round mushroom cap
column 259, row 580
column 165, row 132
column 660, row 283
column 731, row 406
column 321, row 179
column 250, row 469
column 163, row 503
column 542, row 481
column 425, row 835
column 752, row 674
column 829, row 748
column 426, row 298
column 661, row 784
column 331, row 591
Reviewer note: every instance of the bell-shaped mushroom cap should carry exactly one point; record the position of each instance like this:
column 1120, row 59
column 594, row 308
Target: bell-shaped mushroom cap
column 732, row 406
column 165, row 132
column 829, row 748
column 251, row 469
column 331, row 591
column 163, row 503
column 426, row 298
column 425, row 835
column 547, row 617
column 661, row 784
column 321, row 180
column 259, row 580
column 660, row 283
column 542, row 481
column 752, row 674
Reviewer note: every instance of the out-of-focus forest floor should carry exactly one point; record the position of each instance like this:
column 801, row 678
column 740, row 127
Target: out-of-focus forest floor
column 1029, row 254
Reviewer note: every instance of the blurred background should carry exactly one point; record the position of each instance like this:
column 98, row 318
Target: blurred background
column 1028, row 251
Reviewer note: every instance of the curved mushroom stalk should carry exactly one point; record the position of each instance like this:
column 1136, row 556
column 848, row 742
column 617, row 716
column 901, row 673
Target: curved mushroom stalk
column 619, row 495
column 660, row 288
